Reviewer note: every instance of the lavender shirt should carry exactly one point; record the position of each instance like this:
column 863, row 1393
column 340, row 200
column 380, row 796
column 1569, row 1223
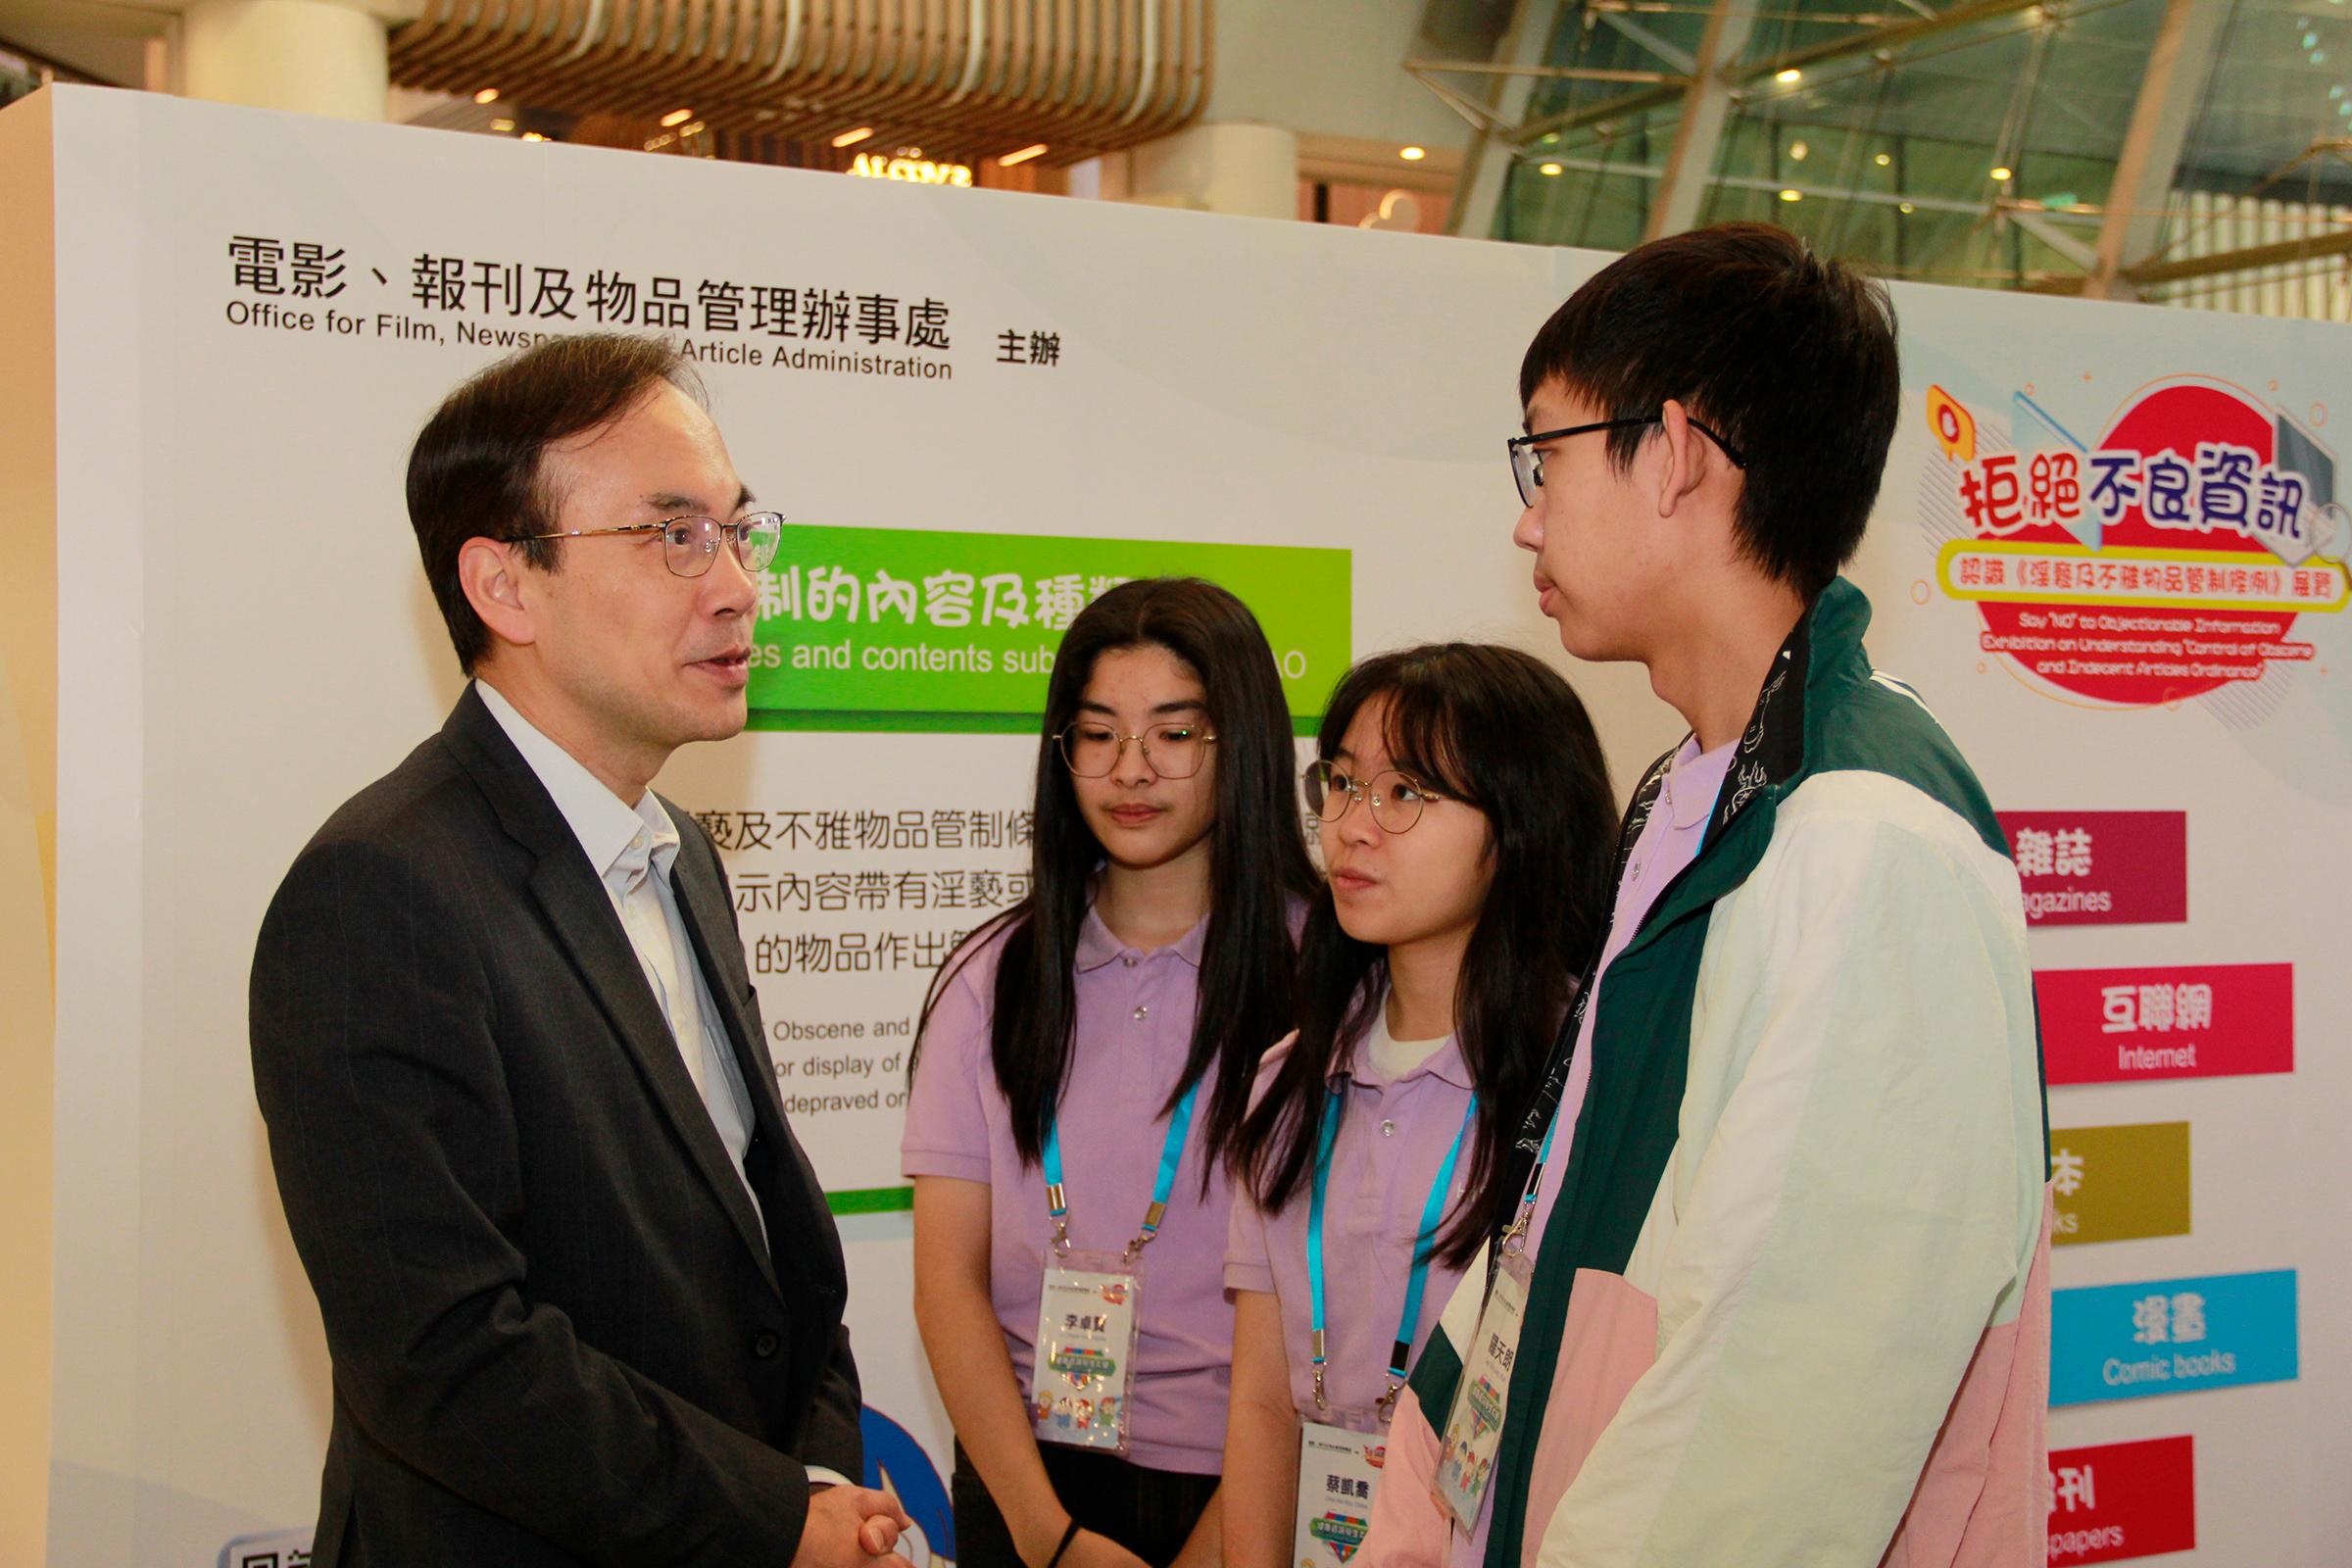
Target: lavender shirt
column 1670, row 839
column 1133, row 1031
column 1392, row 1137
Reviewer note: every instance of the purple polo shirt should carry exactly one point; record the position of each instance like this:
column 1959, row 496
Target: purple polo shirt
column 1133, row 1031
column 1393, row 1138
column 1670, row 839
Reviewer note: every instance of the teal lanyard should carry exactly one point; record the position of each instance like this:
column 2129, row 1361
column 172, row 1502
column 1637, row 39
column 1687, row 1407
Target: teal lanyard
column 1432, row 1210
column 1171, row 1155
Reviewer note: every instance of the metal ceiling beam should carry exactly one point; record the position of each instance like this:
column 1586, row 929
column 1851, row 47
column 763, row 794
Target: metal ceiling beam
column 1674, row 205
column 2180, row 63
column 2277, row 253
column 1893, row 35
column 1486, row 160
column 1419, row 69
column 1681, row 60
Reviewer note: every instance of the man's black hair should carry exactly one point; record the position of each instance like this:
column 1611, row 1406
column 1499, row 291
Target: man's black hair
column 1790, row 357
column 474, row 469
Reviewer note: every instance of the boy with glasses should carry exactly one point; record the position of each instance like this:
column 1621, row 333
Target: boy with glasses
column 1777, row 1290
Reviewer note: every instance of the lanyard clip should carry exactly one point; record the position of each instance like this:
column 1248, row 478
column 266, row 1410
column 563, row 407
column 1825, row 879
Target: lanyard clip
column 1057, row 1206
column 1316, row 1342
column 1386, row 1407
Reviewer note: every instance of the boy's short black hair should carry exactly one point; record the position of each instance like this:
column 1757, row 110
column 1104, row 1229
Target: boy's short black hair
column 474, row 469
column 1790, row 355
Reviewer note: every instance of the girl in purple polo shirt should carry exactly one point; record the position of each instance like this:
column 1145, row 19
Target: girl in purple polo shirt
column 1466, row 825
column 1083, row 1066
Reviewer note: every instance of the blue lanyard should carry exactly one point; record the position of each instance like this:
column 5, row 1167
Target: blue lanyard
column 1171, row 1155
column 1432, row 1210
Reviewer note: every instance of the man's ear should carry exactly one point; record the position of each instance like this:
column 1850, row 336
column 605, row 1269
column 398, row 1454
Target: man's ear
column 1688, row 457
column 492, row 573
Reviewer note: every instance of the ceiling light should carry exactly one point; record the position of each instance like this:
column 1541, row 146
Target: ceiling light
column 532, row 135
column 1789, row 77
column 1033, row 150
column 502, row 125
column 488, row 95
column 1798, row 151
column 676, row 117
column 2003, row 172
column 1884, row 159
column 1904, row 209
column 850, row 138
column 1549, row 169
column 1792, row 195
column 1412, row 154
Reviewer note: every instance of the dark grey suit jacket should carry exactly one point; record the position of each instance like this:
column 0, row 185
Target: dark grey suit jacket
column 560, row 1332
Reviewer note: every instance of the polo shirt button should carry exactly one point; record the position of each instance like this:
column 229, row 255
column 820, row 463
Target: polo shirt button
column 1143, row 1012
column 1127, row 958
column 765, row 1344
column 1388, row 1129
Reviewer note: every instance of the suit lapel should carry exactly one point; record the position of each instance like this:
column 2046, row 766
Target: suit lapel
column 800, row 1198
column 580, row 912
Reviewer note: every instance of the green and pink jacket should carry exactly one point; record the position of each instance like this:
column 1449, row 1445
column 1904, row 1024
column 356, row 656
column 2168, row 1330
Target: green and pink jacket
column 1792, row 1305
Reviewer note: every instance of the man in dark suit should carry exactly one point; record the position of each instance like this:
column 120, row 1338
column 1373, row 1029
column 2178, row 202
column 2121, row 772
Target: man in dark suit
column 579, row 1284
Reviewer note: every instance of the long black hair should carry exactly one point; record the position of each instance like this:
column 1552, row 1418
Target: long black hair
column 1500, row 730
column 1258, row 865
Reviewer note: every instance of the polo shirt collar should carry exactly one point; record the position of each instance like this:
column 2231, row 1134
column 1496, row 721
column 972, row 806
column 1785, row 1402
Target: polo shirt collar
column 1097, row 946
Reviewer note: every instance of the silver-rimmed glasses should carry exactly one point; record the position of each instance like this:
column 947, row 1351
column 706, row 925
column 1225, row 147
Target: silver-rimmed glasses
column 1172, row 750
column 1395, row 798
column 690, row 544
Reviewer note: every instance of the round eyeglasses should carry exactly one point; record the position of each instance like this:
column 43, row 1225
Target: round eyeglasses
column 690, row 544
column 1395, row 798
column 1172, row 750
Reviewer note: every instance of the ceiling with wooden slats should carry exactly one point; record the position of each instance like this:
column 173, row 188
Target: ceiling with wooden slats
column 1082, row 77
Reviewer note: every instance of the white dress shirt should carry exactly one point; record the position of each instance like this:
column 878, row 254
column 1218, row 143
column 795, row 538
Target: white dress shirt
column 632, row 852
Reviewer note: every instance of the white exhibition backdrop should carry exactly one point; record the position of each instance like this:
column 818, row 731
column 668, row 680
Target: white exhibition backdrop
column 245, row 640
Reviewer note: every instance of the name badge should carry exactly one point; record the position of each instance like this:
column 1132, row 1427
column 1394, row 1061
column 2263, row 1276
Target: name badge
column 1086, row 1337
column 1481, row 1400
column 1338, row 1471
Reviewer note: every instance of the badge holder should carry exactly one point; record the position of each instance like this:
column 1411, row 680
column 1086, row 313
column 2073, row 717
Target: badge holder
column 1086, row 1338
column 1473, row 1431
column 1340, row 1460
column 1087, row 1325
column 1342, row 1449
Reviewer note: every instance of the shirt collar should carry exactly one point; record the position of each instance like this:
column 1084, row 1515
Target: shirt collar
column 608, row 831
column 1445, row 1063
column 1689, row 789
column 1097, row 946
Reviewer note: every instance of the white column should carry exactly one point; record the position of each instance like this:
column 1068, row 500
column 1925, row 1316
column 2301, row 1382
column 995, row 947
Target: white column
column 1251, row 170
column 313, row 57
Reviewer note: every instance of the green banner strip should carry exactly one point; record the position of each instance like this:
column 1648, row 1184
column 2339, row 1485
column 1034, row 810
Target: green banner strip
column 872, row 1201
column 905, row 629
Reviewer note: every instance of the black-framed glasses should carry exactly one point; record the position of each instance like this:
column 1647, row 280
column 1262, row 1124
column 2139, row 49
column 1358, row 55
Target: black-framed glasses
column 690, row 544
column 1395, row 797
column 1527, row 463
column 1172, row 750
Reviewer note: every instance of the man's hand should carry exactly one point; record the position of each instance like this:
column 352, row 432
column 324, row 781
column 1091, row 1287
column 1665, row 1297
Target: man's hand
column 849, row 1527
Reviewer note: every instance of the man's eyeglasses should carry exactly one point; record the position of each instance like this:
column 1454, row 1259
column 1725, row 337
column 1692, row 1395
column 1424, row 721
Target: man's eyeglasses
column 1395, row 798
column 1172, row 750
column 1527, row 463
column 690, row 544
